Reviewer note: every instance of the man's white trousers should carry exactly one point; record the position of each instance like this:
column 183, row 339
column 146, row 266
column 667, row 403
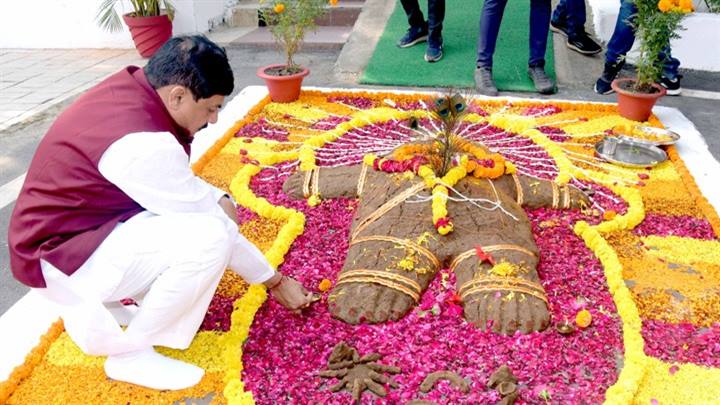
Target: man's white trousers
column 170, row 264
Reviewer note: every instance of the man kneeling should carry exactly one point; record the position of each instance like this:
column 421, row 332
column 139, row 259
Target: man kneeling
column 110, row 210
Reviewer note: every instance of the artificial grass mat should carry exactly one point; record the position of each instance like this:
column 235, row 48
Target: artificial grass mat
column 390, row 65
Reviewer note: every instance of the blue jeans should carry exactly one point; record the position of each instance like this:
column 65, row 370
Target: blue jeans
column 490, row 19
column 624, row 36
column 571, row 13
column 436, row 15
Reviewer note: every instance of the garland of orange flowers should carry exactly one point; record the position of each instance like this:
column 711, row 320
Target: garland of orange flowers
column 33, row 358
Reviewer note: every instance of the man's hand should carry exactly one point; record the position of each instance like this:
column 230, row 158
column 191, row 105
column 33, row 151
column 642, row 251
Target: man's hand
column 229, row 207
column 289, row 293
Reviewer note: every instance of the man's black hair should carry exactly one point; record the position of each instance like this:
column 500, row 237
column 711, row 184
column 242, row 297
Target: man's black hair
column 192, row 61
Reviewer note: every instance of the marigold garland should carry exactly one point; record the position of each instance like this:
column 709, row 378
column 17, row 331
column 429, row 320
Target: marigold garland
column 32, row 359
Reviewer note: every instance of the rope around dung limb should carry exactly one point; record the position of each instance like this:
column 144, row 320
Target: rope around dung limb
column 488, row 249
column 495, row 283
column 315, row 184
column 520, row 289
column 361, row 180
column 555, row 194
column 306, row 183
column 501, row 281
column 383, row 209
column 518, row 189
column 403, row 242
column 395, row 281
column 566, row 197
column 382, row 274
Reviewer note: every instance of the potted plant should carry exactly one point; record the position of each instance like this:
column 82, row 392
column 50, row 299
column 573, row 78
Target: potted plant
column 656, row 23
column 288, row 22
column 150, row 22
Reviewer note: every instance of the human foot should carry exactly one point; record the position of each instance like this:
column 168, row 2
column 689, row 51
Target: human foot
column 153, row 370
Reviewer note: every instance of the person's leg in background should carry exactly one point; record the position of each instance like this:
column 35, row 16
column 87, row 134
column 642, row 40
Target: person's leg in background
column 670, row 77
column 619, row 45
column 418, row 31
column 436, row 15
column 490, row 20
column 539, row 28
column 568, row 19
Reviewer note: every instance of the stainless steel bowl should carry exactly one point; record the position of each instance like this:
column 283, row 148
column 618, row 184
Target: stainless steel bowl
column 626, row 152
column 672, row 137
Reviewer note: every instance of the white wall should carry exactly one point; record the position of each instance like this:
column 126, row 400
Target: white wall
column 71, row 23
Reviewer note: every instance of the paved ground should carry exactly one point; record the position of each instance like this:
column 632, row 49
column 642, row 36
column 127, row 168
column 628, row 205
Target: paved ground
column 35, row 85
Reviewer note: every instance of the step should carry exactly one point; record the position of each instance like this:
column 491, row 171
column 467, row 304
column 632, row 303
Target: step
column 246, row 14
column 326, row 37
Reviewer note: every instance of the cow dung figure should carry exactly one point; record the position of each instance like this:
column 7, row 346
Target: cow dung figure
column 395, row 251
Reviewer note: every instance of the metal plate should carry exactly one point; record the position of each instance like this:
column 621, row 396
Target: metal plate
column 629, row 153
column 668, row 137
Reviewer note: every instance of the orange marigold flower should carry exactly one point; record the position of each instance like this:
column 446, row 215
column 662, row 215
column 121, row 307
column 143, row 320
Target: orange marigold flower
column 333, row 2
column 279, row 8
column 609, row 215
column 665, row 5
column 324, row 285
column 686, row 6
column 583, row 319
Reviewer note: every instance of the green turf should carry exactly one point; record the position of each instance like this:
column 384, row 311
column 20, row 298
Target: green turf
column 390, row 65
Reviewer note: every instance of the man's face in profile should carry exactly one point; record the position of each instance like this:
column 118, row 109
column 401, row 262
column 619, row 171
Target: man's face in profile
column 195, row 115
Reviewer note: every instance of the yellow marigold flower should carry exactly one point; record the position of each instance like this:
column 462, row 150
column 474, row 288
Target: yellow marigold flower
column 369, row 159
column 324, row 285
column 665, row 5
column 686, row 6
column 279, row 8
column 583, row 319
column 314, row 200
column 504, row 269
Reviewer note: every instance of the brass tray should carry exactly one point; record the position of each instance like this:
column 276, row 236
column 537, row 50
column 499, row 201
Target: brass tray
column 626, row 152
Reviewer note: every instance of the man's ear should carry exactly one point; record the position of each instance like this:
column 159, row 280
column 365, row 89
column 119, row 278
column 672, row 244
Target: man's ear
column 176, row 95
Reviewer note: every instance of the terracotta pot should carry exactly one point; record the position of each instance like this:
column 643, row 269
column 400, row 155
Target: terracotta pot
column 636, row 106
column 283, row 89
column 149, row 33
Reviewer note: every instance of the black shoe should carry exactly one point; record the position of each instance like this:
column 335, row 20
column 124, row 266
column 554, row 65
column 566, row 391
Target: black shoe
column 610, row 72
column 583, row 44
column 603, row 87
column 414, row 35
column 484, row 81
column 542, row 81
column 672, row 86
column 433, row 53
column 559, row 27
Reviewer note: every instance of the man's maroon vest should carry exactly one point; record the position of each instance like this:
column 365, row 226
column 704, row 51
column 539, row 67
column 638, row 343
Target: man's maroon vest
column 66, row 208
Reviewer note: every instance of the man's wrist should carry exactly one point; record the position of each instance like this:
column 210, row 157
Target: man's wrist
column 274, row 281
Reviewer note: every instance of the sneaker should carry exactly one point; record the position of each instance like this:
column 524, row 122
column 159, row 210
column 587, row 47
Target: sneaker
column 542, row 82
column 484, row 81
column 559, row 27
column 414, row 35
column 433, row 53
column 672, row 86
column 603, row 87
column 583, row 44
column 610, row 72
